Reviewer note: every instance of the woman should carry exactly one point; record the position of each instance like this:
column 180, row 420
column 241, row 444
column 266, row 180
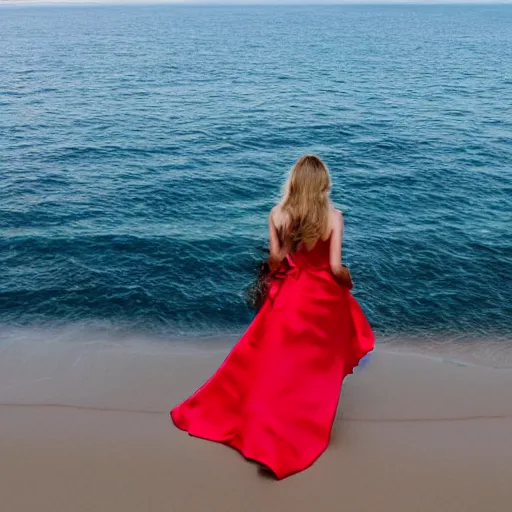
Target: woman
column 274, row 397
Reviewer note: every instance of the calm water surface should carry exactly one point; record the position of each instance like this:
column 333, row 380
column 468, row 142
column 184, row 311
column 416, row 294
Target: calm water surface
column 142, row 147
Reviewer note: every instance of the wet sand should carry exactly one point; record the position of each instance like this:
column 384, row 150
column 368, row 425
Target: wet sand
column 86, row 427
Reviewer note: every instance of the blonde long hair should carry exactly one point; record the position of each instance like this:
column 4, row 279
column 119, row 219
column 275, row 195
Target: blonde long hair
column 305, row 202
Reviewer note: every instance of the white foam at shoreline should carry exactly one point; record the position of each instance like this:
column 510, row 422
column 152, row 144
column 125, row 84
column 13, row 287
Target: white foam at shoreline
column 495, row 353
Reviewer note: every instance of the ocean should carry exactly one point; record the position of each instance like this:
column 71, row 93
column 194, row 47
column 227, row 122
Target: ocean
column 141, row 148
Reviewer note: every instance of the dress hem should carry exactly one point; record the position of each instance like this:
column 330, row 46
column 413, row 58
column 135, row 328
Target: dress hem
column 245, row 453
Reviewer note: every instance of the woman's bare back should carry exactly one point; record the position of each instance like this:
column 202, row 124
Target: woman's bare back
column 280, row 246
column 281, row 220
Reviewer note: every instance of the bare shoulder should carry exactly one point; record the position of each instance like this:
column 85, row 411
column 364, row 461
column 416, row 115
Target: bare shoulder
column 278, row 216
column 274, row 212
column 337, row 213
column 336, row 218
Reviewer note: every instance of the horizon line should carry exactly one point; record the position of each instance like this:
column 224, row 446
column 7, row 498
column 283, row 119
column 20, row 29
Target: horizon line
column 250, row 3
column 254, row 3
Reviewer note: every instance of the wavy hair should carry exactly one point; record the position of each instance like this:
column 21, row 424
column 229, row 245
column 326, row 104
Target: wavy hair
column 305, row 202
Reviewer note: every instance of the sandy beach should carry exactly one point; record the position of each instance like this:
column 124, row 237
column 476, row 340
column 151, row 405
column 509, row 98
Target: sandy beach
column 86, row 427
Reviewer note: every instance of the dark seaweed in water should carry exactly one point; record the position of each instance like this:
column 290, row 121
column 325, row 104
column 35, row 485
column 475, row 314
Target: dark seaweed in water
column 256, row 292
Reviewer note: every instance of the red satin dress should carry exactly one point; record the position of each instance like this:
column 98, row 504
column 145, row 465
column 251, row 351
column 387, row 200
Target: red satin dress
column 274, row 398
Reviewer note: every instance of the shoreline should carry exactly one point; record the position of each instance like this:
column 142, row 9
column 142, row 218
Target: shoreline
column 88, row 428
column 493, row 351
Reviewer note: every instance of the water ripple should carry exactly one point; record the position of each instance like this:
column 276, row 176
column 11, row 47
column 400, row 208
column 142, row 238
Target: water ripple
column 137, row 172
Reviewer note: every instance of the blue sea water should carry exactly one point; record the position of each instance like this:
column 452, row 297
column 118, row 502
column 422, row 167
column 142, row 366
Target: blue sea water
column 141, row 148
